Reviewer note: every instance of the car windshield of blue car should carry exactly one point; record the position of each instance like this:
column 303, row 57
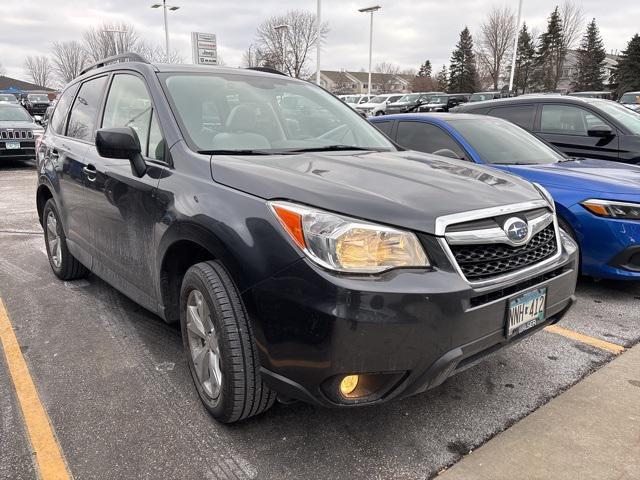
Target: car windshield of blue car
column 224, row 113
column 13, row 114
column 628, row 118
column 501, row 142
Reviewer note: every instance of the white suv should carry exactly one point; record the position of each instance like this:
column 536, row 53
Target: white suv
column 377, row 105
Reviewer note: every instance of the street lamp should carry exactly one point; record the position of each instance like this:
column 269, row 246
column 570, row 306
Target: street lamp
column 166, row 24
column 370, row 10
column 282, row 29
column 115, row 39
column 318, row 39
column 515, row 48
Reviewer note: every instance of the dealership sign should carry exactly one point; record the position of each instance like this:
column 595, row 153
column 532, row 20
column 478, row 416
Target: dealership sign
column 204, row 48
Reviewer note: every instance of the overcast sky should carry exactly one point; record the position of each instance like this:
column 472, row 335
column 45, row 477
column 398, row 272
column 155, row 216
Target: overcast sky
column 406, row 32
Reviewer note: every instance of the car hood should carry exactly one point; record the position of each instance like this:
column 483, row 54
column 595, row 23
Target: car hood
column 437, row 105
column 22, row 125
column 584, row 174
column 407, row 189
column 370, row 105
column 401, row 104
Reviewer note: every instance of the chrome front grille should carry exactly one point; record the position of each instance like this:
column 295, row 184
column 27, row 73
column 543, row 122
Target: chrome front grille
column 482, row 261
column 485, row 249
column 16, row 134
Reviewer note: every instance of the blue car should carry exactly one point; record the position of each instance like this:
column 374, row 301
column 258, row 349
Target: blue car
column 597, row 201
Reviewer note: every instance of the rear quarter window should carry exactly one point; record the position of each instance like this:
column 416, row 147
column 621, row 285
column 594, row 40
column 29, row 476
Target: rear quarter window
column 62, row 108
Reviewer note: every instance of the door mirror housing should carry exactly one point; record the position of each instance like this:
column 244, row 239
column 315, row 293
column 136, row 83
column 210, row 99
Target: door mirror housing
column 122, row 143
column 600, row 131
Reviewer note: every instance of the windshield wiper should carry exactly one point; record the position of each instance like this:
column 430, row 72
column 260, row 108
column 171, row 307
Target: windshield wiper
column 332, row 148
column 236, row 152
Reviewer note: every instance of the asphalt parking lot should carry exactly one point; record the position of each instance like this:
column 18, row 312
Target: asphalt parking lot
column 116, row 387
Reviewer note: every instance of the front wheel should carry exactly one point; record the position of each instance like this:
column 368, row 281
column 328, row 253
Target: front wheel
column 219, row 345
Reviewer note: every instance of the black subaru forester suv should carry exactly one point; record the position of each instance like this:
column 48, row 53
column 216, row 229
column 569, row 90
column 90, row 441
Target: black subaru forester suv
column 305, row 255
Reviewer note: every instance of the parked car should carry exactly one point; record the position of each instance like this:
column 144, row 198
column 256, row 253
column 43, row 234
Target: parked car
column 442, row 103
column 409, row 102
column 332, row 268
column 378, row 104
column 36, row 104
column 606, row 95
column 8, row 98
column 18, row 133
column 482, row 96
column 580, row 127
column 631, row 100
column 597, row 201
column 351, row 100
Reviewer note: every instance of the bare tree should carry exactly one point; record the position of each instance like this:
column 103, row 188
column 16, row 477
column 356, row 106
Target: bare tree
column 69, row 58
column 39, row 69
column 289, row 48
column 496, row 42
column 387, row 79
column 108, row 39
column 156, row 53
column 573, row 23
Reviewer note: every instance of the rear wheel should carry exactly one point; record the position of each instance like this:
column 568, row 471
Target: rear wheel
column 219, row 344
column 63, row 264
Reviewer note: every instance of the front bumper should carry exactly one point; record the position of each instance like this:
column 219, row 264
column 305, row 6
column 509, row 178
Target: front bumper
column 412, row 328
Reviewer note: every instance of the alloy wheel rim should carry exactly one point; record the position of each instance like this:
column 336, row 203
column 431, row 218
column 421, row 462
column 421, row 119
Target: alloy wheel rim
column 204, row 344
column 53, row 239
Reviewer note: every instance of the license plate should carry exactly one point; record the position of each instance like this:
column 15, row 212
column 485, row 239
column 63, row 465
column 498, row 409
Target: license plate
column 13, row 145
column 526, row 311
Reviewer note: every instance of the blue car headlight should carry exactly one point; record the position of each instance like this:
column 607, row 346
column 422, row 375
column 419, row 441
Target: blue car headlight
column 613, row 209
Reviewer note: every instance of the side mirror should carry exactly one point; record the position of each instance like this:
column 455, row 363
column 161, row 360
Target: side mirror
column 121, row 143
column 445, row 152
column 600, row 131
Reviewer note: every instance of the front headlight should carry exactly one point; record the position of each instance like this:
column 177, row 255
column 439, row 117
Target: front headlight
column 347, row 244
column 613, row 209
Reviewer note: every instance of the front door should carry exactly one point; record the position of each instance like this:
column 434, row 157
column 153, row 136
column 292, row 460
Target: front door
column 123, row 208
column 567, row 127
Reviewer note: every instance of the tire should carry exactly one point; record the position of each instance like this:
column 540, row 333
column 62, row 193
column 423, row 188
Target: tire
column 219, row 345
column 64, row 265
column 379, row 113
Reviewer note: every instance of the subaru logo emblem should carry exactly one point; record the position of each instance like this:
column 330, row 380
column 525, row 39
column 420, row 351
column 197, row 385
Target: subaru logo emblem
column 517, row 230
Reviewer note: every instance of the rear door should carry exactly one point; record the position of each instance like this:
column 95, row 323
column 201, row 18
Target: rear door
column 566, row 126
column 68, row 153
column 123, row 208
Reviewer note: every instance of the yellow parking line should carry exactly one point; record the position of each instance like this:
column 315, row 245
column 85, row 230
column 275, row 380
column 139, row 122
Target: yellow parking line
column 596, row 342
column 51, row 464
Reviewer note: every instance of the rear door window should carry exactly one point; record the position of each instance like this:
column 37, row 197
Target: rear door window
column 82, row 120
column 521, row 115
column 62, row 108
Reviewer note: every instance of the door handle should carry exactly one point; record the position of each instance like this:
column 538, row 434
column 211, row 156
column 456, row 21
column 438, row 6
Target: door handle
column 90, row 172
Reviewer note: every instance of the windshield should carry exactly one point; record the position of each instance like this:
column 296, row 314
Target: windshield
column 409, row 98
column 501, row 142
column 267, row 113
column 480, row 97
column 438, row 99
column 38, row 98
column 14, row 114
column 7, row 98
column 628, row 118
column 630, row 98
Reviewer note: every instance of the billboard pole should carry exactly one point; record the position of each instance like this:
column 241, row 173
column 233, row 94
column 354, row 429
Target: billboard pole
column 515, row 48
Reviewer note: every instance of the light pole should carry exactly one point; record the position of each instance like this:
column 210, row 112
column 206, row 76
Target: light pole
column 166, row 23
column 282, row 29
column 370, row 10
column 515, row 48
column 318, row 39
column 115, row 39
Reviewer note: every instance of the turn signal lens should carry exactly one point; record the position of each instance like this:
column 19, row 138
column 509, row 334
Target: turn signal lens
column 348, row 384
column 609, row 208
column 349, row 245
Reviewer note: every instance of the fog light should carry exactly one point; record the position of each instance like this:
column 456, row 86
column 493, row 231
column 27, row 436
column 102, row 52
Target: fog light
column 348, row 384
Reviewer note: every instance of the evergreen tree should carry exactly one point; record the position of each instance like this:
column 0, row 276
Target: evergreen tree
column 442, row 79
column 591, row 54
column 463, row 76
column 550, row 54
column 425, row 69
column 627, row 73
column 524, row 60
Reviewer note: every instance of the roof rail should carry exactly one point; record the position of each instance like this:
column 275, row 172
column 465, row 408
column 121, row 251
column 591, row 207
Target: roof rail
column 267, row 70
column 127, row 56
